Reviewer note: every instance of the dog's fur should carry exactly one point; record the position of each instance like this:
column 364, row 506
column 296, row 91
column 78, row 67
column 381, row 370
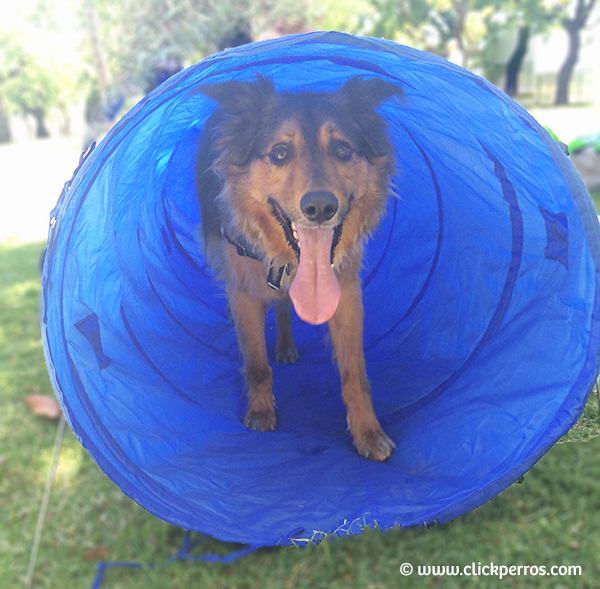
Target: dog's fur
column 260, row 153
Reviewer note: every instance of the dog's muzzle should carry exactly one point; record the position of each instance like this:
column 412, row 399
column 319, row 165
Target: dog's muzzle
column 317, row 207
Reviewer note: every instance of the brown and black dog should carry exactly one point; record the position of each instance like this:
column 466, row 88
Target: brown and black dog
column 290, row 184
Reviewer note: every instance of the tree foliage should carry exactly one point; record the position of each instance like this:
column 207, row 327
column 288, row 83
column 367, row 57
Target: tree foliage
column 438, row 26
column 37, row 73
column 473, row 25
column 120, row 42
column 30, row 83
column 137, row 34
column 528, row 18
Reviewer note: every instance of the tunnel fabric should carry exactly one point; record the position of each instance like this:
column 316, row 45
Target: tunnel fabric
column 480, row 294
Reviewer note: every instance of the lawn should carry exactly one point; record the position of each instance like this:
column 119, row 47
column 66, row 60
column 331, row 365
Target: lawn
column 596, row 198
column 551, row 519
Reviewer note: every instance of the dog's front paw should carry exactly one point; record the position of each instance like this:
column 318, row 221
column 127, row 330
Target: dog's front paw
column 263, row 421
column 374, row 444
column 287, row 354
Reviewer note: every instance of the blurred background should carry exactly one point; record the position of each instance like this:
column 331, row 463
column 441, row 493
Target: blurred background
column 70, row 68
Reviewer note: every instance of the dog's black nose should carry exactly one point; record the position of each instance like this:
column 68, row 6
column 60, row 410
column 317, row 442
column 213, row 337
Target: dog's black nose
column 319, row 206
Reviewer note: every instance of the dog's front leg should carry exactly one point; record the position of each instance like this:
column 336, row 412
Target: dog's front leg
column 346, row 329
column 285, row 348
column 249, row 316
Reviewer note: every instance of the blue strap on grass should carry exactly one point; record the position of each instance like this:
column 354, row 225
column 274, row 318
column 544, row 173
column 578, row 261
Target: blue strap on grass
column 184, row 553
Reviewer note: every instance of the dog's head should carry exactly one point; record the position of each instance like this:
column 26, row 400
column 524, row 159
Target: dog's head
column 320, row 163
column 290, row 145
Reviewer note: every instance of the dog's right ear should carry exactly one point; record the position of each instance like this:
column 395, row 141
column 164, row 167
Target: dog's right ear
column 240, row 98
column 243, row 107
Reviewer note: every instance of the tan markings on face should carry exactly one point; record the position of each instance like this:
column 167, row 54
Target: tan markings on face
column 312, row 162
column 344, row 168
column 278, row 173
column 292, row 165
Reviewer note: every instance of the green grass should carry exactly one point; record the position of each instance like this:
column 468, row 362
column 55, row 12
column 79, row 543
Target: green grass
column 553, row 518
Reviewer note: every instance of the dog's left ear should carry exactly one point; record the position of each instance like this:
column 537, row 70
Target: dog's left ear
column 367, row 94
column 359, row 97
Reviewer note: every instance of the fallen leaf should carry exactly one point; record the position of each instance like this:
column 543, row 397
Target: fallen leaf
column 44, row 406
column 98, row 553
column 2, row 461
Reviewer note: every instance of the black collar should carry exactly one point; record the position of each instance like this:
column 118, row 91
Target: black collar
column 243, row 250
column 274, row 277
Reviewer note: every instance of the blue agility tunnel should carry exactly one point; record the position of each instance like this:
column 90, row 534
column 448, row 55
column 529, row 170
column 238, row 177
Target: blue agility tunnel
column 480, row 297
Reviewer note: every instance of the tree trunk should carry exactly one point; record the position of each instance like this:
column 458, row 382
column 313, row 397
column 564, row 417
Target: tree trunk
column 5, row 134
column 458, row 29
column 513, row 67
column 573, row 27
column 566, row 71
column 41, row 131
column 104, row 79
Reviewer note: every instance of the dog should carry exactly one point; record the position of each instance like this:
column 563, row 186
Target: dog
column 290, row 185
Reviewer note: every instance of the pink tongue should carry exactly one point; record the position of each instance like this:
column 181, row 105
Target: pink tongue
column 315, row 291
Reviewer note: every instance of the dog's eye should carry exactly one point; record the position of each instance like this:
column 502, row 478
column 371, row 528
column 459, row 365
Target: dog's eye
column 279, row 154
column 343, row 151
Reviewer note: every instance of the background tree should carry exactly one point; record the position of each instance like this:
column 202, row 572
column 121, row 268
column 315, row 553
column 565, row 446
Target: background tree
column 5, row 134
column 29, row 84
column 574, row 26
column 124, row 47
column 513, row 67
column 9, row 68
column 533, row 17
column 138, row 34
column 529, row 18
column 436, row 25
column 350, row 16
column 39, row 71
